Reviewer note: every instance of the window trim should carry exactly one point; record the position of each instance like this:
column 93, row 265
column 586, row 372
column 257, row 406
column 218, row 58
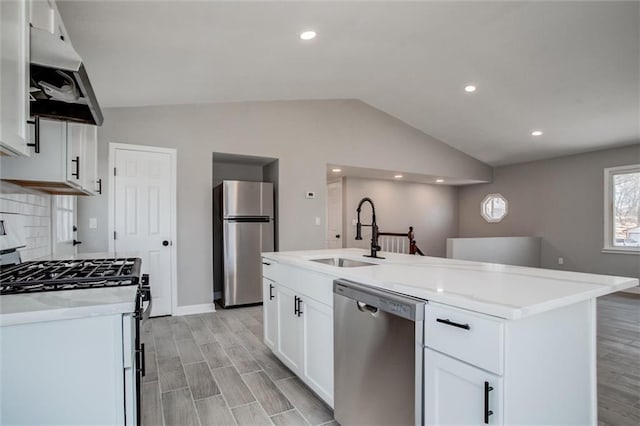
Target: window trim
column 608, row 246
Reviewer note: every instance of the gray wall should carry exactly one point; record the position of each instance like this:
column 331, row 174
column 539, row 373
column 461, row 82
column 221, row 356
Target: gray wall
column 303, row 135
column 432, row 210
column 234, row 171
column 560, row 200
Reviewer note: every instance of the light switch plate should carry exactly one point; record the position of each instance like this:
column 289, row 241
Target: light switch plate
column 93, row 223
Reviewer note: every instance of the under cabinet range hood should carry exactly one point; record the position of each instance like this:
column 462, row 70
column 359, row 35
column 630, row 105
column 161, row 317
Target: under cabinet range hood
column 60, row 87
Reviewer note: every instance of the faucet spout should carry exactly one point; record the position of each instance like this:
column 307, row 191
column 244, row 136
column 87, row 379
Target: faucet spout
column 375, row 247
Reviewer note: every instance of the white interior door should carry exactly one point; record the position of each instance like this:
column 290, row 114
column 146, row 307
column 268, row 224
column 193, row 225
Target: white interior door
column 143, row 186
column 63, row 225
column 334, row 215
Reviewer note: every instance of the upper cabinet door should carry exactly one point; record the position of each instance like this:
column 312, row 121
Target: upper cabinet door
column 14, row 77
column 75, row 153
column 90, row 159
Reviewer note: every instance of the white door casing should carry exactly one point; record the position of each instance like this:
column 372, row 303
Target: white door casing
column 334, row 215
column 142, row 200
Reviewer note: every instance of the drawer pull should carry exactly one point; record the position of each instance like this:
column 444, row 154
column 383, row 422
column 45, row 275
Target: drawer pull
column 453, row 324
column 271, row 292
column 487, row 412
column 266, row 263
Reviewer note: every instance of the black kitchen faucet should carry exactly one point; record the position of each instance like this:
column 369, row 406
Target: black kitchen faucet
column 375, row 247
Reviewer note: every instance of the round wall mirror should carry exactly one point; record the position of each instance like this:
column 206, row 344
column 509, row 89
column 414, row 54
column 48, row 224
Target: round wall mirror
column 494, row 208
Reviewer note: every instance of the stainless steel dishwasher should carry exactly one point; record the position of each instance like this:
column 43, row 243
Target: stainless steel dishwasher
column 378, row 356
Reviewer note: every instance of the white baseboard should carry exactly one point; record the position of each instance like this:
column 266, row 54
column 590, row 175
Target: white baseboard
column 194, row 309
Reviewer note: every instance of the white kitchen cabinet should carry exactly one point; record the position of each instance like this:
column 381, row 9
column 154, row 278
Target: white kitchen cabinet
column 270, row 313
column 83, row 155
column 66, row 163
column 456, row 393
column 75, row 371
column 289, row 328
column 317, row 320
column 14, row 77
column 298, row 328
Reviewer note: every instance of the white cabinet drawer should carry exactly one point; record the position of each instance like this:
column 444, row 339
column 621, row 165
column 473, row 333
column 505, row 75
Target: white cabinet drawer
column 474, row 338
column 307, row 283
column 270, row 269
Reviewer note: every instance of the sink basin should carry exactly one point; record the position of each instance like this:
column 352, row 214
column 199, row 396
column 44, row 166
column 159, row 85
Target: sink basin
column 342, row 262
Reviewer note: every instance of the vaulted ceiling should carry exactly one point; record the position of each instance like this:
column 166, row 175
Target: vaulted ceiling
column 570, row 69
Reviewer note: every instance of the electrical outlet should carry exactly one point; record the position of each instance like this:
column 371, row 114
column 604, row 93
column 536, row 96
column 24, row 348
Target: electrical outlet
column 561, row 261
column 93, row 223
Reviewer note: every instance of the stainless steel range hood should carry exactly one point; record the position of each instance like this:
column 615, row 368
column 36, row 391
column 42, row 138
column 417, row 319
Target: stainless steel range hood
column 60, row 87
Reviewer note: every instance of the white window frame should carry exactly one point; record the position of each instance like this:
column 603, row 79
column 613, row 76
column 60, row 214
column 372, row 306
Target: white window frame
column 608, row 246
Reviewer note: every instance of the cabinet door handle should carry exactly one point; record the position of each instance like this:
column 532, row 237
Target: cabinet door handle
column 453, row 324
column 76, row 242
column 266, row 263
column 487, row 412
column 36, row 134
column 77, row 173
column 299, row 310
column 270, row 291
column 99, row 186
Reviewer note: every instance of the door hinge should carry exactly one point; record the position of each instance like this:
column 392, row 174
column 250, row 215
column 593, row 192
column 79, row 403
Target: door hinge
column 114, row 235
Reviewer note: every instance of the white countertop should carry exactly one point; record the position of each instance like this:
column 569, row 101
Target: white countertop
column 504, row 291
column 68, row 304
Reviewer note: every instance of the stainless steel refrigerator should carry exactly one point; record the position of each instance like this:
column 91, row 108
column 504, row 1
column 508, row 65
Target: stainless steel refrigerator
column 243, row 229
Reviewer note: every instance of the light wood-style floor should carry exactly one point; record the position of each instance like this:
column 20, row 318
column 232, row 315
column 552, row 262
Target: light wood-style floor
column 619, row 360
column 213, row 369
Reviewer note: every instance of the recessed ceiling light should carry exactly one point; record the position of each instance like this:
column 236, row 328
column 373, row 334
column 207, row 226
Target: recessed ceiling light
column 439, row 180
column 470, row 88
column 398, row 176
column 308, row 35
column 336, row 170
column 536, row 133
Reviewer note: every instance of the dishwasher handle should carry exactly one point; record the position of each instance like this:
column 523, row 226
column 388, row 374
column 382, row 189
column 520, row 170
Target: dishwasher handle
column 364, row 307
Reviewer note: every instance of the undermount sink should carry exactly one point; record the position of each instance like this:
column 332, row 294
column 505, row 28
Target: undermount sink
column 341, row 262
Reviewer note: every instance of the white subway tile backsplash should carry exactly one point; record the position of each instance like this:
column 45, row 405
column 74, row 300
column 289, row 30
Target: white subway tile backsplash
column 37, row 219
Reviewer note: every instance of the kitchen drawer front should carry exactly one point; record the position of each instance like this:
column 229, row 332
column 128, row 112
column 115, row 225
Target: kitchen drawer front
column 270, row 269
column 468, row 336
column 307, row 284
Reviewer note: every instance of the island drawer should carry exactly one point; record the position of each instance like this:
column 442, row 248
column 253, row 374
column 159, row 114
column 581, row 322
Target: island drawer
column 471, row 337
column 270, row 269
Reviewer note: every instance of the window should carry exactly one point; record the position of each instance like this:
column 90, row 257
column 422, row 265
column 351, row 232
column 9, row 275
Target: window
column 622, row 209
column 494, row 208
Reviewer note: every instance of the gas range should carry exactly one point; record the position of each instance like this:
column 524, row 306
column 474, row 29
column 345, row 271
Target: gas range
column 37, row 276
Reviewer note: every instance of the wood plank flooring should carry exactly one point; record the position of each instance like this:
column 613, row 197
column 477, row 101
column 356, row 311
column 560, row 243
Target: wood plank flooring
column 213, row 369
column 619, row 360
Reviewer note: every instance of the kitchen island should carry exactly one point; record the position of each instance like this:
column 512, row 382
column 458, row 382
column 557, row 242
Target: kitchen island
column 522, row 348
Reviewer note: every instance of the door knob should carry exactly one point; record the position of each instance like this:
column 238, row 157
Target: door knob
column 165, row 243
column 76, row 242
